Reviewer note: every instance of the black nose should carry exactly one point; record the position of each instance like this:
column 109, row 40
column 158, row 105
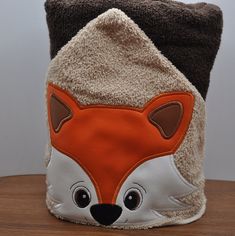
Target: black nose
column 105, row 214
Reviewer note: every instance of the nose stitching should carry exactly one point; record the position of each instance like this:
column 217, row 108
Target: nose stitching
column 106, row 214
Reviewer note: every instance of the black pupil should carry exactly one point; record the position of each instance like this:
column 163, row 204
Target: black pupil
column 82, row 198
column 132, row 200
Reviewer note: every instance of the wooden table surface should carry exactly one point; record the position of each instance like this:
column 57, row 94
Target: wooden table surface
column 23, row 212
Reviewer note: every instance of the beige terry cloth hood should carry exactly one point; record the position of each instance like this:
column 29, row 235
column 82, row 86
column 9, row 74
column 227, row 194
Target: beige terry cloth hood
column 112, row 61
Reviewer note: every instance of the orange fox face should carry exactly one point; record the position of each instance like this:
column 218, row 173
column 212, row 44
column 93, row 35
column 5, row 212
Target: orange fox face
column 109, row 162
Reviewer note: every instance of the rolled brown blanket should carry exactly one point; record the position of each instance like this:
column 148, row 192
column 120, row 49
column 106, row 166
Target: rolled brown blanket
column 187, row 34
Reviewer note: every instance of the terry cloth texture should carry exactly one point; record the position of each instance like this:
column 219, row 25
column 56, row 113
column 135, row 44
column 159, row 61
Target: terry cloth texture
column 187, row 34
column 112, row 61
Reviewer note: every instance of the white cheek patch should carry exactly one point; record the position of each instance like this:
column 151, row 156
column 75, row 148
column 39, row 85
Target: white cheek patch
column 64, row 176
column 157, row 180
column 160, row 184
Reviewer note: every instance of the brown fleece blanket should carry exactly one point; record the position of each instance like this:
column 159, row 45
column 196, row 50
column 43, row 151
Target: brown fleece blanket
column 187, row 34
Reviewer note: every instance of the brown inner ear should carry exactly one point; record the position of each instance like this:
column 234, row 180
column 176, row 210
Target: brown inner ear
column 59, row 112
column 167, row 118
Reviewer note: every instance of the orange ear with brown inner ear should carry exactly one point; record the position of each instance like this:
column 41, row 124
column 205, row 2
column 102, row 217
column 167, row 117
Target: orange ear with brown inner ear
column 60, row 112
column 171, row 114
column 167, row 118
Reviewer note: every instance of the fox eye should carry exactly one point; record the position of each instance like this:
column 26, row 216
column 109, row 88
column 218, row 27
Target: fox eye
column 133, row 199
column 82, row 197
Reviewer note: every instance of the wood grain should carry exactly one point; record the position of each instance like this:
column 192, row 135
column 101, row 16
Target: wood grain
column 23, row 212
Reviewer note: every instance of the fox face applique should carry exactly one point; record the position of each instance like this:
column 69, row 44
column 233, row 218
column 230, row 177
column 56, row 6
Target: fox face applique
column 114, row 165
column 126, row 131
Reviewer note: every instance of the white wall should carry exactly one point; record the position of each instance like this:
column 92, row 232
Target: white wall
column 23, row 61
column 24, row 56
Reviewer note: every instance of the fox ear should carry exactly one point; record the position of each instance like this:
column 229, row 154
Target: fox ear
column 167, row 118
column 60, row 107
column 171, row 113
column 59, row 112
